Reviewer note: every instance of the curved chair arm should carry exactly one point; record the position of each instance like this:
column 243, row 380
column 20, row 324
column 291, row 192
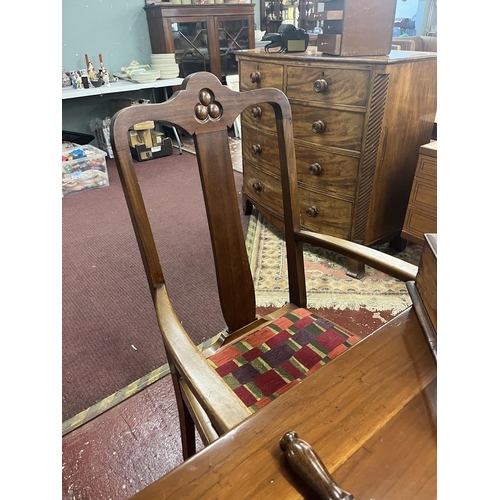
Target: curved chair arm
column 217, row 399
column 388, row 264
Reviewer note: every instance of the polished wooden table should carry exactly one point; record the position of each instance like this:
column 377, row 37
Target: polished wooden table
column 370, row 415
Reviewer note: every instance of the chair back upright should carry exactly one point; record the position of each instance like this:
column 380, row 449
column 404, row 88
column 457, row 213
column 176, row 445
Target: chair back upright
column 205, row 109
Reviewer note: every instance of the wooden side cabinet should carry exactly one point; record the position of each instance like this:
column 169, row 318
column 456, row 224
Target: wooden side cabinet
column 421, row 214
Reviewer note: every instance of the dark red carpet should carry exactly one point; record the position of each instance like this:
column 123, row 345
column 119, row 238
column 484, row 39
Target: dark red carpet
column 109, row 331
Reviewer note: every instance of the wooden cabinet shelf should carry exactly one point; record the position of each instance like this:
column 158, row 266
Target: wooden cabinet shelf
column 273, row 13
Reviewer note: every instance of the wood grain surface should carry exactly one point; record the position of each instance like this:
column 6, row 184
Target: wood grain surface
column 369, row 415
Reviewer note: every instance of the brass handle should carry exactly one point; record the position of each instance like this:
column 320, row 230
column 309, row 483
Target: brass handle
column 306, row 463
column 312, row 211
column 257, row 187
column 255, row 77
column 315, row 169
column 256, row 112
column 256, row 149
column 320, row 85
column 318, row 127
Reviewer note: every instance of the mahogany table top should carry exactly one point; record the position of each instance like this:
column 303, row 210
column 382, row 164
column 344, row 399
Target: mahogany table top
column 370, row 415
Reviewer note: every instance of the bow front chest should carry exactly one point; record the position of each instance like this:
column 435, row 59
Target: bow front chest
column 358, row 123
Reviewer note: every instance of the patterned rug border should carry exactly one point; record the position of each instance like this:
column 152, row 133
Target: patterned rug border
column 344, row 295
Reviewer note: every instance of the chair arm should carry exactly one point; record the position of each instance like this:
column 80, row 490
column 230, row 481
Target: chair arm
column 224, row 408
column 388, row 264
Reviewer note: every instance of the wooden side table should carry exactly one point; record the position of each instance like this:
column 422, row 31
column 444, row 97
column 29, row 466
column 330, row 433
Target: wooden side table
column 421, row 214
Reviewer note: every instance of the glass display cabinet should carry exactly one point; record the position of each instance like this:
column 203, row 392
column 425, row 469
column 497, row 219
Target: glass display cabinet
column 203, row 37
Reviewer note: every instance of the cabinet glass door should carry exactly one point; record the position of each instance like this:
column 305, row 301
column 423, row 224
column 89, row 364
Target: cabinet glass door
column 233, row 35
column 191, row 47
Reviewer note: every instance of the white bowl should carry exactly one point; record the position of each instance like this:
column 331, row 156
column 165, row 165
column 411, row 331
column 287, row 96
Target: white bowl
column 145, row 73
column 145, row 78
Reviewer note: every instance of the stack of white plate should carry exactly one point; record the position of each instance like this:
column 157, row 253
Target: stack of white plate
column 165, row 63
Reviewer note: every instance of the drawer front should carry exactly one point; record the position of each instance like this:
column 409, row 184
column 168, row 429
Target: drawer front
column 261, row 117
column 317, row 212
column 261, row 149
column 427, row 166
column 328, row 127
column 424, row 194
column 325, row 214
column 317, row 169
column 328, row 85
column 263, row 189
column 417, row 223
column 264, row 74
column 327, row 172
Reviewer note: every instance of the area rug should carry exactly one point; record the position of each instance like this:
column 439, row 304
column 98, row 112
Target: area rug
column 328, row 285
column 234, row 145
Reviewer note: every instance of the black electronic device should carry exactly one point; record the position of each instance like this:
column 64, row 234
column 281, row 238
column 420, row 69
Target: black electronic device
column 288, row 39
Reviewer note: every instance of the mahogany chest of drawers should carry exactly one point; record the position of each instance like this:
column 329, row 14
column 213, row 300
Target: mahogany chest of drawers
column 358, row 124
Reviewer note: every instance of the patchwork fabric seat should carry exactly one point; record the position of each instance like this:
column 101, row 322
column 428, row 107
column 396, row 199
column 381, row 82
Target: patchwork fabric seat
column 257, row 358
column 272, row 360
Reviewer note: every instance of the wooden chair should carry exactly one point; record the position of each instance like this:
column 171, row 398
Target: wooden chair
column 250, row 364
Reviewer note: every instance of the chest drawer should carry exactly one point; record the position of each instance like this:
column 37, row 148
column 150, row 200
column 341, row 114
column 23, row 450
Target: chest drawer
column 317, row 169
column 328, row 127
column 427, row 167
column 316, row 210
column 328, row 85
column 256, row 75
column 417, row 223
column 424, row 194
column 261, row 117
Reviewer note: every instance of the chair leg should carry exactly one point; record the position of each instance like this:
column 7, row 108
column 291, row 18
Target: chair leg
column 188, row 435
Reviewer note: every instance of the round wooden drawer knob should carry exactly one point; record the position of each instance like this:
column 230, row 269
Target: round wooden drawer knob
column 318, row 127
column 256, row 112
column 256, row 149
column 255, row 77
column 312, row 211
column 315, row 169
column 320, row 85
column 257, row 187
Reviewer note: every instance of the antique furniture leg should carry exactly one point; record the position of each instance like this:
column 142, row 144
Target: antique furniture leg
column 355, row 269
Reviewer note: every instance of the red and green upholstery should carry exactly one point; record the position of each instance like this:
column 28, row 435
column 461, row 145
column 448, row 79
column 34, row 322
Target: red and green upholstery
column 272, row 360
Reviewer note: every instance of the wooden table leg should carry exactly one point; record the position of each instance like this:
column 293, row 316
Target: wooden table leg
column 355, row 269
